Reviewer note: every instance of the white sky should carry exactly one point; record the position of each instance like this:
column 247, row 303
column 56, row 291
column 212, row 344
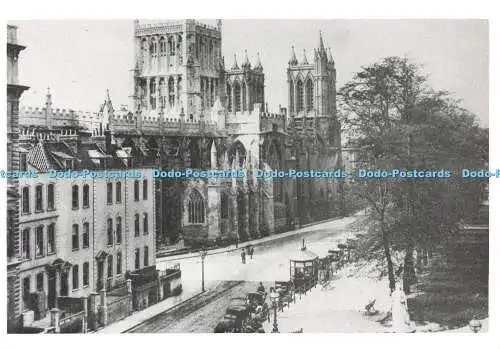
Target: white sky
column 80, row 59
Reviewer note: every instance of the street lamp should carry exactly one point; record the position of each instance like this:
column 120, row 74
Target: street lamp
column 203, row 254
column 274, row 296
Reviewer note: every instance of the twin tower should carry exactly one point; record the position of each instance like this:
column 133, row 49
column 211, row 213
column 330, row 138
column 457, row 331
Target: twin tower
column 179, row 67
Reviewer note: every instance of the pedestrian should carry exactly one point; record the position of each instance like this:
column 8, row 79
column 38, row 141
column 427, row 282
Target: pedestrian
column 261, row 288
column 243, row 255
column 251, row 252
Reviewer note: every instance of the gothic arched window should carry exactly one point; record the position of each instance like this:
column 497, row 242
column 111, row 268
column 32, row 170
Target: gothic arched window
column 224, row 205
column 237, row 97
column 309, row 95
column 292, row 101
column 171, row 46
column 171, row 92
column 153, row 47
column 300, row 96
column 229, row 98
column 163, row 93
column 179, row 88
column 196, row 208
column 163, row 46
column 152, row 92
column 244, row 96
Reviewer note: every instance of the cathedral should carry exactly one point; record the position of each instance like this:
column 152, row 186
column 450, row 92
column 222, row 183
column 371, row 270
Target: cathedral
column 188, row 109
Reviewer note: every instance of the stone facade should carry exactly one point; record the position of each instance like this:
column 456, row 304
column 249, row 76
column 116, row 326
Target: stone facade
column 14, row 92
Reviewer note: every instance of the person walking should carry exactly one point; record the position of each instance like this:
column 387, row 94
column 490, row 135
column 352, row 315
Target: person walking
column 251, row 252
column 243, row 256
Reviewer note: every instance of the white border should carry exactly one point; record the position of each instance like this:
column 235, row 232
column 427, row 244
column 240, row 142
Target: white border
column 50, row 9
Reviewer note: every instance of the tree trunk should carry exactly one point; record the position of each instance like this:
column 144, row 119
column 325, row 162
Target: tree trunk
column 409, row 268
column 387, row 252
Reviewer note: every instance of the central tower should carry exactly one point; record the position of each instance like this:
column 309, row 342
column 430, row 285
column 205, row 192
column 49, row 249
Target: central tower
column 178, row 67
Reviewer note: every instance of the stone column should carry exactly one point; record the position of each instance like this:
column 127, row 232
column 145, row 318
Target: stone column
column 148, row 93
column 104, row 308
column 157, row 92
column 245, row 217
column 234, row 217
column 254, row 212
column 54, row 319
column 86, row 316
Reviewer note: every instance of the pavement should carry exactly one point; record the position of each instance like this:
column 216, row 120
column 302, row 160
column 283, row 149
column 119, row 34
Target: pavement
column 145, row 314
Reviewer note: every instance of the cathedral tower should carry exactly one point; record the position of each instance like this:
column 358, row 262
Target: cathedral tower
column 177, row 67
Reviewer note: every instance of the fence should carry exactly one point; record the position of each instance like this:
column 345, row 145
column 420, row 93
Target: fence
column 119, row 308
column 73, row 323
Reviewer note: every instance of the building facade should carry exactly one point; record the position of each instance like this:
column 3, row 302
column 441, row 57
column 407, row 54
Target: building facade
column 14, row 92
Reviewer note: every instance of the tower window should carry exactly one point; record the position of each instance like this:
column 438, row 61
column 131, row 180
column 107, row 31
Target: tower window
column 137, row 225
column 118, row 263
column 50, row 197
column 86, row 274
column 39, row 241
column 145, row 224
column 145, row 189
column 86, row 235
column 26, row 200
column 109, row 192
column 136, row 190
column 75, row 277
column 75, row 243
column 85, row 196
column 196, row 208
column 171, row 92
column 26, row 244
column 237, row 97
column 51, row 239
column 137, row 258
column 163, row 46
column 300, row 96
column 74, row 197
column 118, row 230
column 292, row 102
column 309, row 95
column 110, row 231
column 146, row 256
column 229, row 98
column 118, row 192
column 39, row 198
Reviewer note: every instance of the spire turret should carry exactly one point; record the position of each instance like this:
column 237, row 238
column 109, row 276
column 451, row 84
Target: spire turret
column 246, row 63
column 293, row 58
column 304, row 59
column 321, row 46
column 48, row 99
column 258, row 65
column 330, row 57
column 235, row 64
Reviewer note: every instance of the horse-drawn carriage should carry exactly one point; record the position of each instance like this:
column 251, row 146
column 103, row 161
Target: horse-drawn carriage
column 245, row 314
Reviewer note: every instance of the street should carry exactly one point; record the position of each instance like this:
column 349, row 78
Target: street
column 226, row 277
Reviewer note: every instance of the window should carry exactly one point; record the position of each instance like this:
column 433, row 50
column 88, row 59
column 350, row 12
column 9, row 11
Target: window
column 85, row 196
column 50, row 197
column 146, row 256
column 292, row 100
column 86, row 274
column 110, row 231
column 145, row 224
column 38, row 198
column 69, row 164
column 136, row 190
column 171, row 46
column 309, row 95
column 196, row 208
column 26, row 244
column 75, row 277
column 86, row 235
column 110, row 266
column 224, row 205
column 145, row 189
column 75, row 243
column 300, row 96
column 118, row 230
column 51, row 238
column 237, row 97
column 136, row 225
column 229, row 98
column 109, row 191
column 137, row 259
column 171, row 92
column 118, row 192
column 26, row 200
column 39, row 241
column 26, row 292
column 39, row 282
column 23, row 162
column 118, row 263
column 74, row 197
column 163, row 46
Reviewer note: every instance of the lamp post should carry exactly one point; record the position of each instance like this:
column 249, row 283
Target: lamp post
column 274, row 299
column 203, row 254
